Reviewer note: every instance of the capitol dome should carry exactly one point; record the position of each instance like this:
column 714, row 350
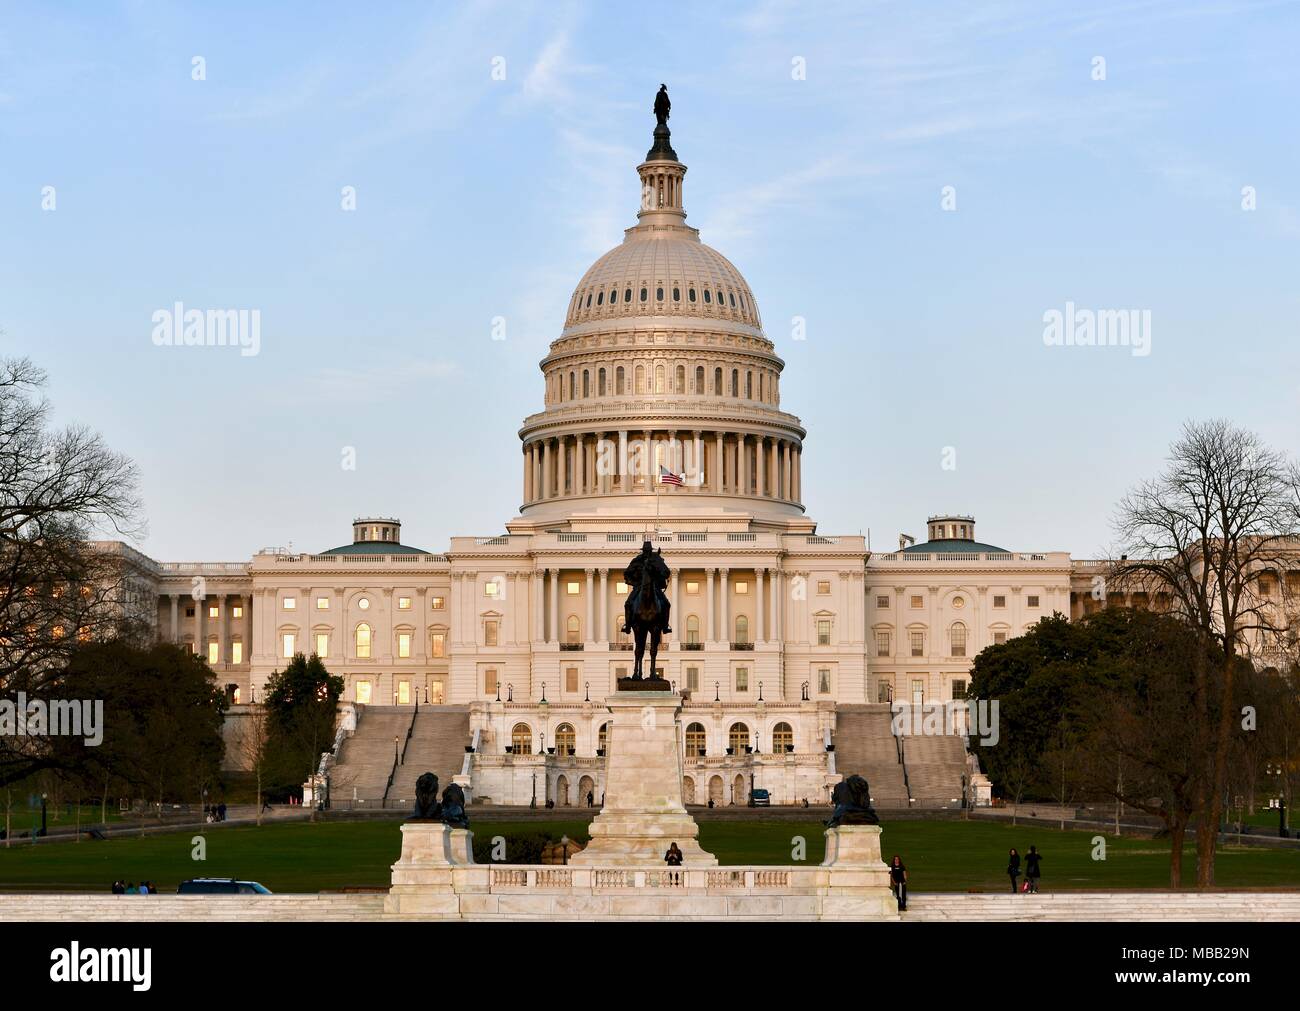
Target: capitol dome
column 661, row 370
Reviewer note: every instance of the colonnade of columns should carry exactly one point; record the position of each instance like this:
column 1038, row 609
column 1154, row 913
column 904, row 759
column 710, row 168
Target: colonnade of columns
column 627, row 461
column 226, row 633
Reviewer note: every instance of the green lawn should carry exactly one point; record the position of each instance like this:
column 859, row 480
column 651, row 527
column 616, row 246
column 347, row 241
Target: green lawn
column 304, row 857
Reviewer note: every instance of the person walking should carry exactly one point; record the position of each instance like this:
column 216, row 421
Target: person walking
column 1032, row 871
column 1013, row 867
column 898, row 881
column 673, row 858
column 591, row 798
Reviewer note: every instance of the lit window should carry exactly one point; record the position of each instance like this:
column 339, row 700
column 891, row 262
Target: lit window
column 572, row 589
column 742, row 629
column 214, row 611
column 322, row 644
column 521, row 737
column 438, row 644
column 364, row 603
column 237, row 611
column 322, row 603
column 823, row 632
column 404, row 644
column 403, row 603
column 823, row 586
column 286, row 644
column 742, row 586
column 918, row 644
column 438, row 603
column 363, row 641
column 693, row 629
column 236, row 652
column 620, row 588
column 742, row 679
column 290, row 603
column 491, row 588
column 214, row 652
column 363, row 692
column 918, row 601
column 692, row 586
column 692, row 679
column 573, row 630
column 782, row 738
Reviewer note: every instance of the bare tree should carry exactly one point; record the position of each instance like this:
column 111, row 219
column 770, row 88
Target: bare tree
column 1199, row 536
column 252, row 749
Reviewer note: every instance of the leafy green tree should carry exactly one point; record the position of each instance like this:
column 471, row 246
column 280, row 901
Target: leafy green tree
column 301, row 704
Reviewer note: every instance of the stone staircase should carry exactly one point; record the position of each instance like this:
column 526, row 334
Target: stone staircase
column 437, row 745
column 935, row 766
column 864, row 745
column 1103, row 906
column 366, row 758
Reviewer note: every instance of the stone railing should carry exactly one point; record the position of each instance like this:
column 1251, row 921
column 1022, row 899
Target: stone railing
column 495, row 878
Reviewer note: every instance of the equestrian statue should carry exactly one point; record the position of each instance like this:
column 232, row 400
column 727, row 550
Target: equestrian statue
column 645, row 612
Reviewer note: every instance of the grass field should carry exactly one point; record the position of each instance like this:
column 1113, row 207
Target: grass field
column 304, row 857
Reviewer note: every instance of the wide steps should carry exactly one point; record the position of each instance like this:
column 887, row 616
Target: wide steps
column 437, row 745
column 864, row 746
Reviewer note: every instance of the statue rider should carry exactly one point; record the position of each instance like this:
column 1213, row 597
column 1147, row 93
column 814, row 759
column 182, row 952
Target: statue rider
column 659, row 573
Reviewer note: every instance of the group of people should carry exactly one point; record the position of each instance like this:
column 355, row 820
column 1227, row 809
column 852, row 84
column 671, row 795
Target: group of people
column 1032, row 871
column 121, row 887
column 214, row 812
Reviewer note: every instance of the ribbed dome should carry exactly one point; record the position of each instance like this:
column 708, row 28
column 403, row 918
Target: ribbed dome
column 664, row 272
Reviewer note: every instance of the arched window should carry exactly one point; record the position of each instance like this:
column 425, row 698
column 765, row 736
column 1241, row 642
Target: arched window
column 680, row 385
column 640, row 379
column 782, row 739
column 742, row 628
column 613, row 296
column 600, row 383
column 659, row 379
column 620, row 384
column 659, row 294
column 690, row 294
column 573, row 385
column 717, row 382
column 696, row 740
column 586, row 383
column 699, row 379
column 602, row 738
column 566, row 741
column 588, row 300
column 708, row 297
column 693, row 628
column 732, row 296
column 363, row 641
column 735, row 382
column 600, row 298
column 738, row 738
column 573, row 629
column 957, row 639
column 522, row 739
column 627, row 295
column 749, row 385
column 677, row 294
column 644, row 294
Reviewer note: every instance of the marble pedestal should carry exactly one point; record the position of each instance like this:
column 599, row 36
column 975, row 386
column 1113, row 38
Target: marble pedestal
column 857, row 885
column 422, row 882
column 643, row 810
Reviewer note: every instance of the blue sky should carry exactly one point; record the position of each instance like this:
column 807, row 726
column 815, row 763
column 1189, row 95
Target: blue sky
column 479, row 198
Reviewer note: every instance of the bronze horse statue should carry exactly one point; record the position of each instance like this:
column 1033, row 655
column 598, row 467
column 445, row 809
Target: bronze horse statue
column 647, row 609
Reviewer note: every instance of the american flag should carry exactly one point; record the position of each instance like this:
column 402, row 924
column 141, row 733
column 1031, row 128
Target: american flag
column 666, row 476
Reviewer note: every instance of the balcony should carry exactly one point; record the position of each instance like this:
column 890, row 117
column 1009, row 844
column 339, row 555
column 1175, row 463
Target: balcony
column 628, row 646
column 692, row 647
column 743, row 645
column 571, row 647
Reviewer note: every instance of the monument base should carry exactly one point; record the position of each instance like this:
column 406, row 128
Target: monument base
column 857, row 885
column 422, row 882
column 643, row 813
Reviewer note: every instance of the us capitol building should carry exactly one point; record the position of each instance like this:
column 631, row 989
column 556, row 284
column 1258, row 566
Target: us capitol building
column 489, row 661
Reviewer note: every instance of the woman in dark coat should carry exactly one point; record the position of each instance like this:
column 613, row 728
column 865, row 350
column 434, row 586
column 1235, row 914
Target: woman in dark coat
column 1013, row 868
column 1032, row 873
column 898, row 881
column 673, row 858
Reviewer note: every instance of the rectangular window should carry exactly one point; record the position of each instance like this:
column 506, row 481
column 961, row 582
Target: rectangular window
column 571, row 680
column 403, row 603
column 322, row 644
column 823, row 632
column 999, row 638
column 189, row 612
column 438, row 644
column 918, row 644
column 1266, row 586
column 363, row 692
column 573, row 588
column 918, row 692
column 959, row 688
column 742, row 586
column 403, row 693
column 290, row 603
column 918, row 601
column 214, row 652
column 692, row 679
column 1032, row 601
column 214, row 611
column 823, row 586
column 322, row 603
column 882, row 644
column 490, row 588
column 692, row 586
column 438, row 603
column 489, row 633
column 237, row 611
column 742, row 679
column 882, row 602
column 490, row 681
column 286, row 644
column 958, row 641
column 824, row 681
column 236, row 652
column 620, row 588
column 404, row 644
column 999, row 601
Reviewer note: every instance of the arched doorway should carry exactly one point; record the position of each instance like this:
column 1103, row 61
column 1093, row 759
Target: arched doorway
column 688, row 790
column 738, row 790
column 715, row 790
column 562, row 792
column 586, row 785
